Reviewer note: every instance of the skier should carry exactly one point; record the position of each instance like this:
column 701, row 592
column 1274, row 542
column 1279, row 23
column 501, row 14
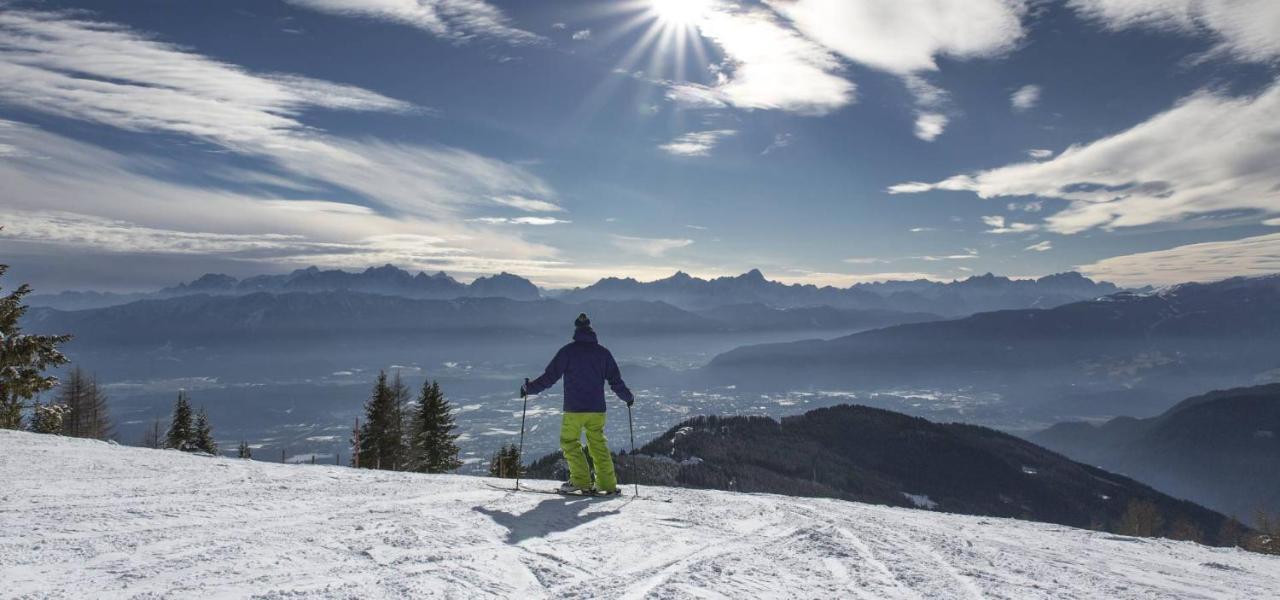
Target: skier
column 586, row 366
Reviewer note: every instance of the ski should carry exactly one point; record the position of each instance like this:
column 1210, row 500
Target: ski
column 545, row 492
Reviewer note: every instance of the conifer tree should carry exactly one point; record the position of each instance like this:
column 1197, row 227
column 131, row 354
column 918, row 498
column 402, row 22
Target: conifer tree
column 506, row 462
column 203, row 440
column 23, row 358
column 381, row 443
column 433, row 443
column 182, row 432
column 48, row 418
column 244, row 451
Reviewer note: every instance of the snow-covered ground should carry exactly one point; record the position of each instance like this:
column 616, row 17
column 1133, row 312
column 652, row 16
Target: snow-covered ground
column 83, row 519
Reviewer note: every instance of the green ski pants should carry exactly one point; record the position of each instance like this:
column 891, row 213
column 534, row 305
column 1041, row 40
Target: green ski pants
column 571, row 444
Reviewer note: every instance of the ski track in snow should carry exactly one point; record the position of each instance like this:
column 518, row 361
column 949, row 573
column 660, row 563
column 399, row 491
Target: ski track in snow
column 87, row 519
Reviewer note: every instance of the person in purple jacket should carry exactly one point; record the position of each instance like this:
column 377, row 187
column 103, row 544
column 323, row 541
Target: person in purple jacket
column 585, row 366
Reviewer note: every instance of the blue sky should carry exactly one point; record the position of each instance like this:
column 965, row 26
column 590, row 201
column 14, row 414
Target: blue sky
column 823, row 141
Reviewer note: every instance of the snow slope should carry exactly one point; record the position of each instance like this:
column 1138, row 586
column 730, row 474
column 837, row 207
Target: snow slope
column 87, row 519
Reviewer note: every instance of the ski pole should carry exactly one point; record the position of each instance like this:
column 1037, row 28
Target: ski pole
column 520, row 457
column 635, row 475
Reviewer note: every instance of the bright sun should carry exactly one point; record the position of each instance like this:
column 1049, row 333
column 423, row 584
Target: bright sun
column 679, row 13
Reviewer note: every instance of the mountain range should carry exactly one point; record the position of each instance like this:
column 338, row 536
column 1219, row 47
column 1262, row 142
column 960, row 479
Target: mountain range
column 975, row 294
column 956, row 298
column 878, row 456
column 1220, row 449
column 1175, row 341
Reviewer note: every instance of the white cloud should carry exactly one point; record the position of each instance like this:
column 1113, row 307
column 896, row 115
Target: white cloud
column 998, row 224
column 1025, row 98
column 1033, row 206
column 1210, row 261
column 767, row 66
column 653, row 247
column 520, row 220
column 1040, row 153
column 907, row 36
column 1044, row 246
column 455, row 20
column 922, row 229
column 930, row 125
column 696, row 143
column 1272, row 222
column 528, row 204
column 582, row 34
column 1245, row 29
column 1210, row 154
column 693, row 96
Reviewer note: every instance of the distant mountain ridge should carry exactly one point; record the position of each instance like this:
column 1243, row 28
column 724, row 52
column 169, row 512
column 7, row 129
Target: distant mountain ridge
column 387, row 280
column 1220, row 449
column 976, row 294
column 871, row 455
column 957, row 298
column 1178, row 340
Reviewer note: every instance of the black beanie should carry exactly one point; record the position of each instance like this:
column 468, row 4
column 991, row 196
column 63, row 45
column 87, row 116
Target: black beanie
column 582, row 321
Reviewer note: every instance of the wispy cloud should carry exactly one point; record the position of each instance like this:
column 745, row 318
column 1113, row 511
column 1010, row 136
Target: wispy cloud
column 1211, row 261
column 1025, row 98
column 653, row 247
column 1210, row 154
column 520, row 220
column 1044, row 246
column 1040, row 153
column 998, row 224
column 1245, row 29
column 696, row 143
column 780, row 141
column 528, row 204
column 456, row 20
column 581, row 34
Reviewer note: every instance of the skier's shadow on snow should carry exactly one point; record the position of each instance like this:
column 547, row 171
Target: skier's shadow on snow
column 547, row 517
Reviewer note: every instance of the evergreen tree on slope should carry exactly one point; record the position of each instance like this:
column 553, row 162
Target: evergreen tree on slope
column 433, row 443
column 203, row 441
column 23, row 358
column 182, row 431
column 381, row 444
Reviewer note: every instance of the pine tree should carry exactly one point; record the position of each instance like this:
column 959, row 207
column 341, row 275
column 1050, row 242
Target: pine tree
column 48, row 418
column 381, row 440
column 87, row 415
column 203, row 440
column 23, row 358
column 433, row 443
column 182, row 432
column 244, row 451
column 506, row 462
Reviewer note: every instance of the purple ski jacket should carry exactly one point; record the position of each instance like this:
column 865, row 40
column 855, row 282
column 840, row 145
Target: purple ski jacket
column 585, row 366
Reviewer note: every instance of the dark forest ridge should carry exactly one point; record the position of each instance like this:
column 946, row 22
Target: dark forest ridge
column 882, row 457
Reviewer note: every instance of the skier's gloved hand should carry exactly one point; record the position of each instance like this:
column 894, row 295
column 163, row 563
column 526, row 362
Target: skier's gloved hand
column 524, row 390
column 629, row 401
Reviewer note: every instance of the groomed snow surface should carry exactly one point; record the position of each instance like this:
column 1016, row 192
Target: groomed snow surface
column 85, row 519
